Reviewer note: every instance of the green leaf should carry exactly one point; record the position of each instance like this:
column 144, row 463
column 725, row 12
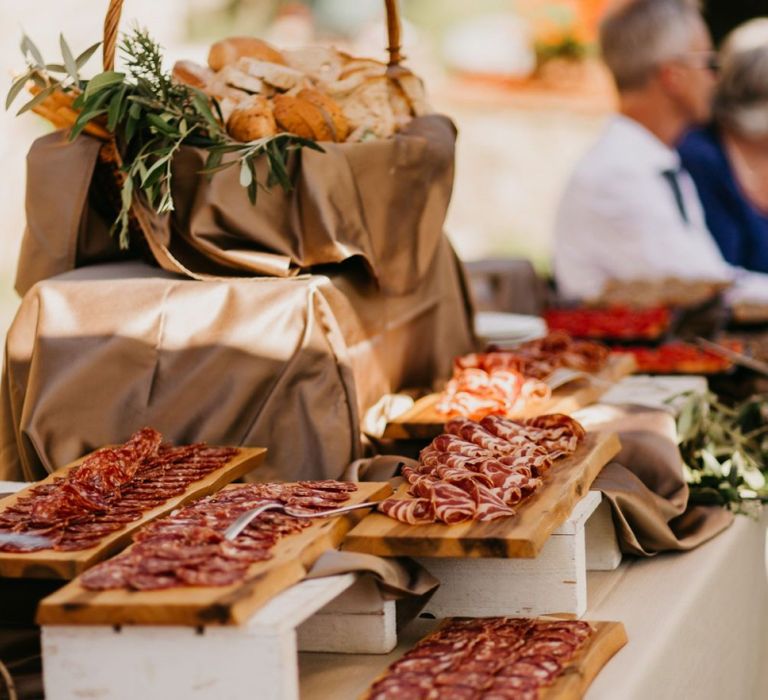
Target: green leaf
column 201, row 104
column 16, row 87
column 37, row 99
column 82, row 122
column 277, row 166
column 213, row 164
column 82, row 59
column 159, row 163
column 130, row 128
column 115, row 108
column 103, row 80
column 28, row 47
column 69, row 59
column 246, row 175
column 161, row 125
column 126, row 193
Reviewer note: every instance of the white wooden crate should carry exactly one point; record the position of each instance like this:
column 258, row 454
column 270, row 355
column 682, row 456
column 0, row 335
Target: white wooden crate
column 255, row 661
column 553, row 583
column 357, row 622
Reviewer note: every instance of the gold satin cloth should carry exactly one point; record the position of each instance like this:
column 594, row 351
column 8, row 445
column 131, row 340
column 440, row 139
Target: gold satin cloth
column 289, row 364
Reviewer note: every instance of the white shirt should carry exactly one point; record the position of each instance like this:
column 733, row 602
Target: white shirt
column 619, row 219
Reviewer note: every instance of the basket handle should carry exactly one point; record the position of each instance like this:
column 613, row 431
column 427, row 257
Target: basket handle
column 111, row 24
column 112, row 21
column 393, row 33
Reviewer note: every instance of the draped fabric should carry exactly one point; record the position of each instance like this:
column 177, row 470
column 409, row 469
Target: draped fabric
column 289, row 364
column 382, row 202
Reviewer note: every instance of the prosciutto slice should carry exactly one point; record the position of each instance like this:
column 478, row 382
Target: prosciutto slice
column 413, row 511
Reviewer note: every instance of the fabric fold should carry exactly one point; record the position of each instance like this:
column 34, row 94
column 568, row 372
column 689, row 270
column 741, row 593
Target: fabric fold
column 381, row 202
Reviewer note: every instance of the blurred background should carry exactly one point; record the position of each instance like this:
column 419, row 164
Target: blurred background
column 519, row 77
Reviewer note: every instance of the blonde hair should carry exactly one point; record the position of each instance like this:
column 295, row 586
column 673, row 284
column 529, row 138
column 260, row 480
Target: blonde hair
column 741, row 98
column 637, row 36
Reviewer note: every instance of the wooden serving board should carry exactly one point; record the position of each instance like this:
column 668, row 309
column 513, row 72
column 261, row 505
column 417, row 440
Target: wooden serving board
column 209, row 605
column 582, row 669
column 424, row 422
column 521, row 535
column 48, row 563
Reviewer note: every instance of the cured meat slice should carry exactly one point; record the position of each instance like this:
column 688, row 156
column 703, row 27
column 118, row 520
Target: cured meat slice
column 451, row 504
column 475, row 680
column 489, row 505
column 459, row 476
column 414, row 511
column 422, row 664
column 473, row 432
column 453, row 443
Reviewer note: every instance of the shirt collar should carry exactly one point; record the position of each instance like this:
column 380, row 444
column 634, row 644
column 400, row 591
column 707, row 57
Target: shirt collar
column 644, row 145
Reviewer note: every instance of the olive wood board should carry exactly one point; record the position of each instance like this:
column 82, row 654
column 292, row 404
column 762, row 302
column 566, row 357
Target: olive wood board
column 519, row 536
column 576, row 677
column 423, row 422
column 48, row 563
column 210, row 605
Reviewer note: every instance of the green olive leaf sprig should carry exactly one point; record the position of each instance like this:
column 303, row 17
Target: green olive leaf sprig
column 151, row 118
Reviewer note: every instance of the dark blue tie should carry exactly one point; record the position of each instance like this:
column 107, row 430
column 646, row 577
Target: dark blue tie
column 674, row 183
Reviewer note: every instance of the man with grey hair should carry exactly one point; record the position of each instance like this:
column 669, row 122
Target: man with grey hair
column 629, row 212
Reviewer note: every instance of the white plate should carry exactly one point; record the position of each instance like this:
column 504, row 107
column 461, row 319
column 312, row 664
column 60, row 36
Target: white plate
column 508, row 329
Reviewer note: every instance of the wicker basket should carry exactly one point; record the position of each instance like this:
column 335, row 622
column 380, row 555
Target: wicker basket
column 58, row 107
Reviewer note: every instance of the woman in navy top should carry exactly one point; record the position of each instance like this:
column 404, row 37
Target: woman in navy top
column 729, row 159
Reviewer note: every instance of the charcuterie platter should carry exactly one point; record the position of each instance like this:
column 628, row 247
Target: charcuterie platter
column 146, row 594
column 68, row 540
column 615, row 324
column 681, row 358
column 423, row 421
column 520, row 535
column 503, row 657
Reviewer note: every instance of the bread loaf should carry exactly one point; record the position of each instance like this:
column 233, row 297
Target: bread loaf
column 192, row 74
column 301, row 118
column 232, row 77
column 227, row 51
column 368, row 109
column 275, row 74
column 252, row 119
column 323, row 64
column 311, row 115
column 331, row 108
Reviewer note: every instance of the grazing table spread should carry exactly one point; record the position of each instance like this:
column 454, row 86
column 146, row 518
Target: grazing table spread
column 486, row 568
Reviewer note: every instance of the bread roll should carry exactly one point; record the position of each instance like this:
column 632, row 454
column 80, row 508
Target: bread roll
column 339, row 123
column 252, row 119
column 233, row 77
column 368, row 109
column 413, row 89
column 322, row 64
column 275, row 74
column 227, row 51
column 300, row 117
column 192, row 74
